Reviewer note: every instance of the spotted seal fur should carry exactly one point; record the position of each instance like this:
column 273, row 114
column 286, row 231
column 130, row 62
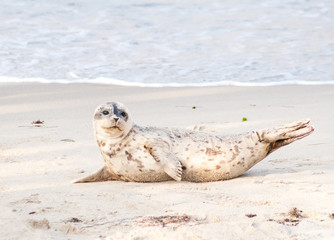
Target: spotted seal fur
column 151, row 154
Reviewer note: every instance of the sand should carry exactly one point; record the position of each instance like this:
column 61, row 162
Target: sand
column 289, row 195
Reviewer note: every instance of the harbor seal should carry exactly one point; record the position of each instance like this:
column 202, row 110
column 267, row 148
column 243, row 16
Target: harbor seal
column 151, row 154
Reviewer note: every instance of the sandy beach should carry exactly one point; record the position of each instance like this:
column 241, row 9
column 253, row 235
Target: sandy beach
column 289, row 195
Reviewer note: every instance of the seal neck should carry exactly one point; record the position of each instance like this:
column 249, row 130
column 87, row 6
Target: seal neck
column 112, row 141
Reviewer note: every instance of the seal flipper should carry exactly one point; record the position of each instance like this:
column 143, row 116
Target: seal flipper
column 162, row 154
column 100, row 176
column 285, row 134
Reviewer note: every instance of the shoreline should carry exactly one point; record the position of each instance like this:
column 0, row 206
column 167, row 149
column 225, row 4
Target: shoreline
column 38, row 164
column 123, row 83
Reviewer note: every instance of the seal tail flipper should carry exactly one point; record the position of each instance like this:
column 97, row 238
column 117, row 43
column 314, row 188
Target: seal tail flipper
column 100, row 176
column 286, row 134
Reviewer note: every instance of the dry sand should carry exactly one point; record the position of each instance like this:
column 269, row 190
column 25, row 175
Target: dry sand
column 37, row 165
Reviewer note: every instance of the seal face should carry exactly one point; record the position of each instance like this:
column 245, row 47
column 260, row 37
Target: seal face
column 112, row 121
column 150, row 154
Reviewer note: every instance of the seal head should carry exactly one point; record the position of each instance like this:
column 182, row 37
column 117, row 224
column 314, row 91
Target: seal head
column 112, row 121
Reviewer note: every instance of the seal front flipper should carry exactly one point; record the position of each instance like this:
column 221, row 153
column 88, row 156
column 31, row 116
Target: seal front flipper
column 100, row 176
column 162, row 154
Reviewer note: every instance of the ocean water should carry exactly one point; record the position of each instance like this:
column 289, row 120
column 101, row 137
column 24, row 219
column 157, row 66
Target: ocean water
column 168, row 43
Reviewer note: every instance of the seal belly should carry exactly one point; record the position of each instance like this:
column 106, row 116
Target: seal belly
column 135, row 164
column 217, row 158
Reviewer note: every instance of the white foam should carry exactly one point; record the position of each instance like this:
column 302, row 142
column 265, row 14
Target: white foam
column 112, row 81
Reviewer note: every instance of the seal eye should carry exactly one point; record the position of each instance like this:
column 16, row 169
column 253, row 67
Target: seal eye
column 123, row 114
column 105, row 112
